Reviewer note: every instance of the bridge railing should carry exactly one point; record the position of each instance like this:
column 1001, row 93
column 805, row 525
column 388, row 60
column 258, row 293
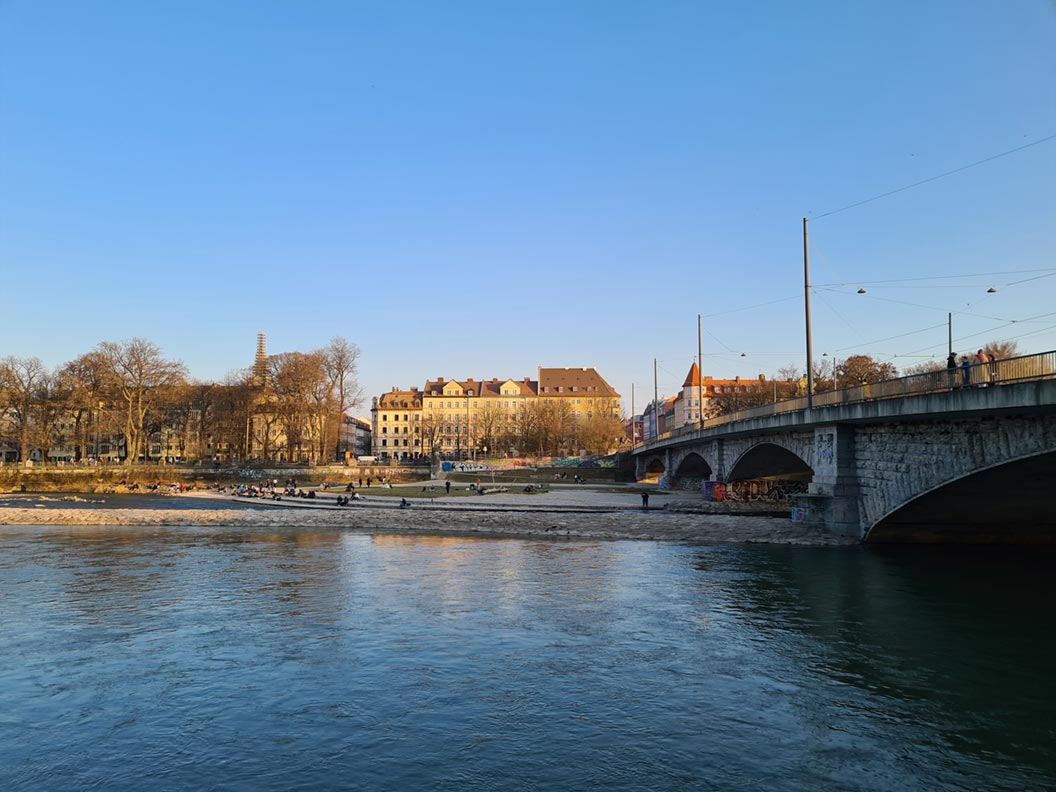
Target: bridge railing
column 978, row 375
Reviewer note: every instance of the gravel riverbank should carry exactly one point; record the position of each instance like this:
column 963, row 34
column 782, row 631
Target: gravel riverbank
column 579, row 514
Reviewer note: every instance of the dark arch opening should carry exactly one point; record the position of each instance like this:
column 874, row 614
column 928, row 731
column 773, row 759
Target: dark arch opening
column 767, row 460
column 694, row 466
column 1007, row 504
column 655, row 466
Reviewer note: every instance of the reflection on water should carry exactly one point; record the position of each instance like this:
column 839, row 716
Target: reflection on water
column 146, row 658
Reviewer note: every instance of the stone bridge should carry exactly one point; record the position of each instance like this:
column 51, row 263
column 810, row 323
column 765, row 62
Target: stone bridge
column 965, row 465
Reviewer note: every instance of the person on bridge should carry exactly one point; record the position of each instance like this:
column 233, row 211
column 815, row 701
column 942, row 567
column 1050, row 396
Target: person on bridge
column 951, row 369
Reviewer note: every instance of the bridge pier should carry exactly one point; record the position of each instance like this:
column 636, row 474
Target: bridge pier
column 831, row 502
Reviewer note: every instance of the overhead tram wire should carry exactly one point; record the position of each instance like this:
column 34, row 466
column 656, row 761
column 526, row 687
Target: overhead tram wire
column 891, row 338
column 930, row 179
column 928, row 307
column 940, row 277
column 750, row 307
column 993, row 330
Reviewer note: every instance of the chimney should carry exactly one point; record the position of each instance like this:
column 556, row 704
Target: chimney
column 440, row 380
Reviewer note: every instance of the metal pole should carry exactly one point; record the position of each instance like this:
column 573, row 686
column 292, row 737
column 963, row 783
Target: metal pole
column 632, row 416
column 806, row 308
column 700, row 376
column 949, row 332
column 656, row 406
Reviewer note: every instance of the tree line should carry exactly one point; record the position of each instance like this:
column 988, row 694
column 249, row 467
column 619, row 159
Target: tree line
column 126, row 400
column 538, row 427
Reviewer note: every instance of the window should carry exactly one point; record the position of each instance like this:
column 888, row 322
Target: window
column 384, row 430
column 384, row 417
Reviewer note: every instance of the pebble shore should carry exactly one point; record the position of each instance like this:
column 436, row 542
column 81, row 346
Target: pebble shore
column 561, row 514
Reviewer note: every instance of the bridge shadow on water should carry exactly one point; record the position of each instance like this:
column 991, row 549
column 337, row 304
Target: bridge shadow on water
column 955, row 640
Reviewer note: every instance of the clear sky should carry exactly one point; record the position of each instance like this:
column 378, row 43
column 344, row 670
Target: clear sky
column 475, row 189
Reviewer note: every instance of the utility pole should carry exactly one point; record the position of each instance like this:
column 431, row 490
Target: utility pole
column 656, row 406
column 806, row 308
column 632, row 417
column 949, row 332
column 700, row 376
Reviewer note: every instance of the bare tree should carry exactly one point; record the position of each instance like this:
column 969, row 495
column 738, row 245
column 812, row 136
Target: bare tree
column 860, row 369
column 753, row 395
column 601, row 432
column 301, row 393
column 20, row 382
column 141, row 376
column 488, row 421
column 90, row 383
column 51, row 397
column 554, row 427
column 1001, row 350
column 341, row 365
column 924, row 367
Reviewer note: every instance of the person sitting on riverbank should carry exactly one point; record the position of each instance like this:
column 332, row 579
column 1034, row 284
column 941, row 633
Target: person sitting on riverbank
column 404, row 503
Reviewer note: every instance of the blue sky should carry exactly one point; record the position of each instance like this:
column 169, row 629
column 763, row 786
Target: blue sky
column 479, row 188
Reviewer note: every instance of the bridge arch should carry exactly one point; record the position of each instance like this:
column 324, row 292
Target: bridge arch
column 655, row 466
column 957, row 511
column 693, row 465
column 769, row 460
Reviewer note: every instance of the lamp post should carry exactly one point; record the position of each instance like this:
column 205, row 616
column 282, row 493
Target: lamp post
column 700, row 376
column 806, row 311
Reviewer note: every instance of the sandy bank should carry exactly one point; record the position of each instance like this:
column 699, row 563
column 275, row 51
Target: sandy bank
column 653, row 525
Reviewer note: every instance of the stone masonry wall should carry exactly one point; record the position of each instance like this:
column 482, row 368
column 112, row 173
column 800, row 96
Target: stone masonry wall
column 899, row 462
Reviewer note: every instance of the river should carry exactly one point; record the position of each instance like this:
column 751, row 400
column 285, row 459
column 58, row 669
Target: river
column 259, row 659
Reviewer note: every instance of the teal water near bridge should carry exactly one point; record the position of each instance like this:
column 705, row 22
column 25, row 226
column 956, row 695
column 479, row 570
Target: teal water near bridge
column 158, row 658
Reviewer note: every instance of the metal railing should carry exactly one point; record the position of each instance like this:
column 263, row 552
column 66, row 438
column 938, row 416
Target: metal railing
column 995, row 373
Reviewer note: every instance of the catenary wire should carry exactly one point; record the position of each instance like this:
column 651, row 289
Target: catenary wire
column 937, row 177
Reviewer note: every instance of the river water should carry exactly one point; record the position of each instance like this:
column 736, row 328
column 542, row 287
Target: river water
column 183, row 658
